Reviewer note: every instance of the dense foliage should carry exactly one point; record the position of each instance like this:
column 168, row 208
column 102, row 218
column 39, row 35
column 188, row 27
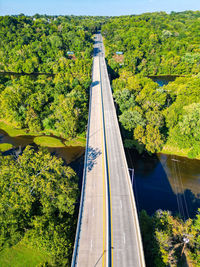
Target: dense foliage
column 37, row 196
column 40, row 44
column 157, row 43
column 163, row 240
column 154, row 116
column 56, row 103
column 37, row 192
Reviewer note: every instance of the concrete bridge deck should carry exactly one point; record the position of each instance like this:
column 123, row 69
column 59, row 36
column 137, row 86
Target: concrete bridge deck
column 108, row 231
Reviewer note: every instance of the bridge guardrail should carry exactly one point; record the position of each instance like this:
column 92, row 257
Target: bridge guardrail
column 107, row 174
column 78, row 229
column 134, row 209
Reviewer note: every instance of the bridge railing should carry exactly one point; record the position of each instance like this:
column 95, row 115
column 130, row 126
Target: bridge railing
column 134, row 209
column 81, row 207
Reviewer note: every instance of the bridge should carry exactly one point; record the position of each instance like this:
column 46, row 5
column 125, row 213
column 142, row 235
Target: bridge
column 108, row 232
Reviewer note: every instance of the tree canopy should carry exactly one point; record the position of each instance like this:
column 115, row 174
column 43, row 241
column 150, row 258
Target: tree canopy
column 37, row 201
column 153, row 117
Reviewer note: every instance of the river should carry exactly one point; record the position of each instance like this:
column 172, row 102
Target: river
column 165, row 182
column 161, row 181
column 72, row 155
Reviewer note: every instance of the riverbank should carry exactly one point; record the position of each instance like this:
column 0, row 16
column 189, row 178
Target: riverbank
column 165, row 182
column 171, row 150
column 41, row 138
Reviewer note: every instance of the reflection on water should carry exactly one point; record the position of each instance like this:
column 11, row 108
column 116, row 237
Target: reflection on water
column 16, row 141
column 164, row 79
column 182, row 173
column 166, row 182
column 69, row 154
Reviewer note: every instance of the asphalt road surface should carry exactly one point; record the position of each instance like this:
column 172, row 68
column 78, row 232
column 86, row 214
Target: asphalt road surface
column 107, row 168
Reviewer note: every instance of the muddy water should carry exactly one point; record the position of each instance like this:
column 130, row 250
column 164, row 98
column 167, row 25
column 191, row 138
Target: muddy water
column 166, row 182
column 68, row 153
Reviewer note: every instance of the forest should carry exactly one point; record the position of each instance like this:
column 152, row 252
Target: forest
column 154, row 118
column 45, row 76
column 38, row 195
column 170, row 241
column 55, row 103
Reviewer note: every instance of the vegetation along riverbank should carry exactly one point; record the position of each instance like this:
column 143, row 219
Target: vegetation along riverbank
column 46, row 104
column 45, row 77
column 153, row 118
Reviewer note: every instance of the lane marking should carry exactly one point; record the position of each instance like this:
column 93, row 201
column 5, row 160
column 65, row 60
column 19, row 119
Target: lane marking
column 121, row 204
column 110, row 208
column 91, row 244
column 134, row 209
column 134, row 212
column 124, row 238
column 108, row 175
column 104, row 195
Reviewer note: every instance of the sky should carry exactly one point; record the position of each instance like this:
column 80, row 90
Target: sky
column 94, row 7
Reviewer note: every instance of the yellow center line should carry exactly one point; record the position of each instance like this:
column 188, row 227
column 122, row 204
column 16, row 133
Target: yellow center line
column 104, row 201
column 109, row 182
column 110, row 206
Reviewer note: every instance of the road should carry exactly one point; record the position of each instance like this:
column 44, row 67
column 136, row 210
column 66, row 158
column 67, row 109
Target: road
column 126, row 239
column 110, row 234
column 93, row 240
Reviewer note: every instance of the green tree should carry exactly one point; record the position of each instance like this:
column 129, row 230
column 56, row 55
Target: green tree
column 65, row 116
column 154, row 140
column 130, row 119
column 190, row 123
column 37, row 196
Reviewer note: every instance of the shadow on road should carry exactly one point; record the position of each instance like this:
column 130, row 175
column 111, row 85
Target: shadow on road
column 92, row 156
column 94, row 83
column 99, row 258
column 96, row 51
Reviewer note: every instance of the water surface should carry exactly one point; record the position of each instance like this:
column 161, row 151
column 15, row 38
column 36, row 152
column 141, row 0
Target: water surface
column 68, row 153
column 165, row 182
column 163, row 79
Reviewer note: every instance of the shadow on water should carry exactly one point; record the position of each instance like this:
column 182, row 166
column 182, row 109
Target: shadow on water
column 162, row 80
column 68, row 153
column 22, row 140
column 157, row 186
column 93, row 154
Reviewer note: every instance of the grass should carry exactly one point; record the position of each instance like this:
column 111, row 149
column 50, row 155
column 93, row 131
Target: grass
column 12, row 131
column 78, row 141
column 48, row 141
column 20, row 255
column 172, row 150
column 42, row 140
column 5, row 147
